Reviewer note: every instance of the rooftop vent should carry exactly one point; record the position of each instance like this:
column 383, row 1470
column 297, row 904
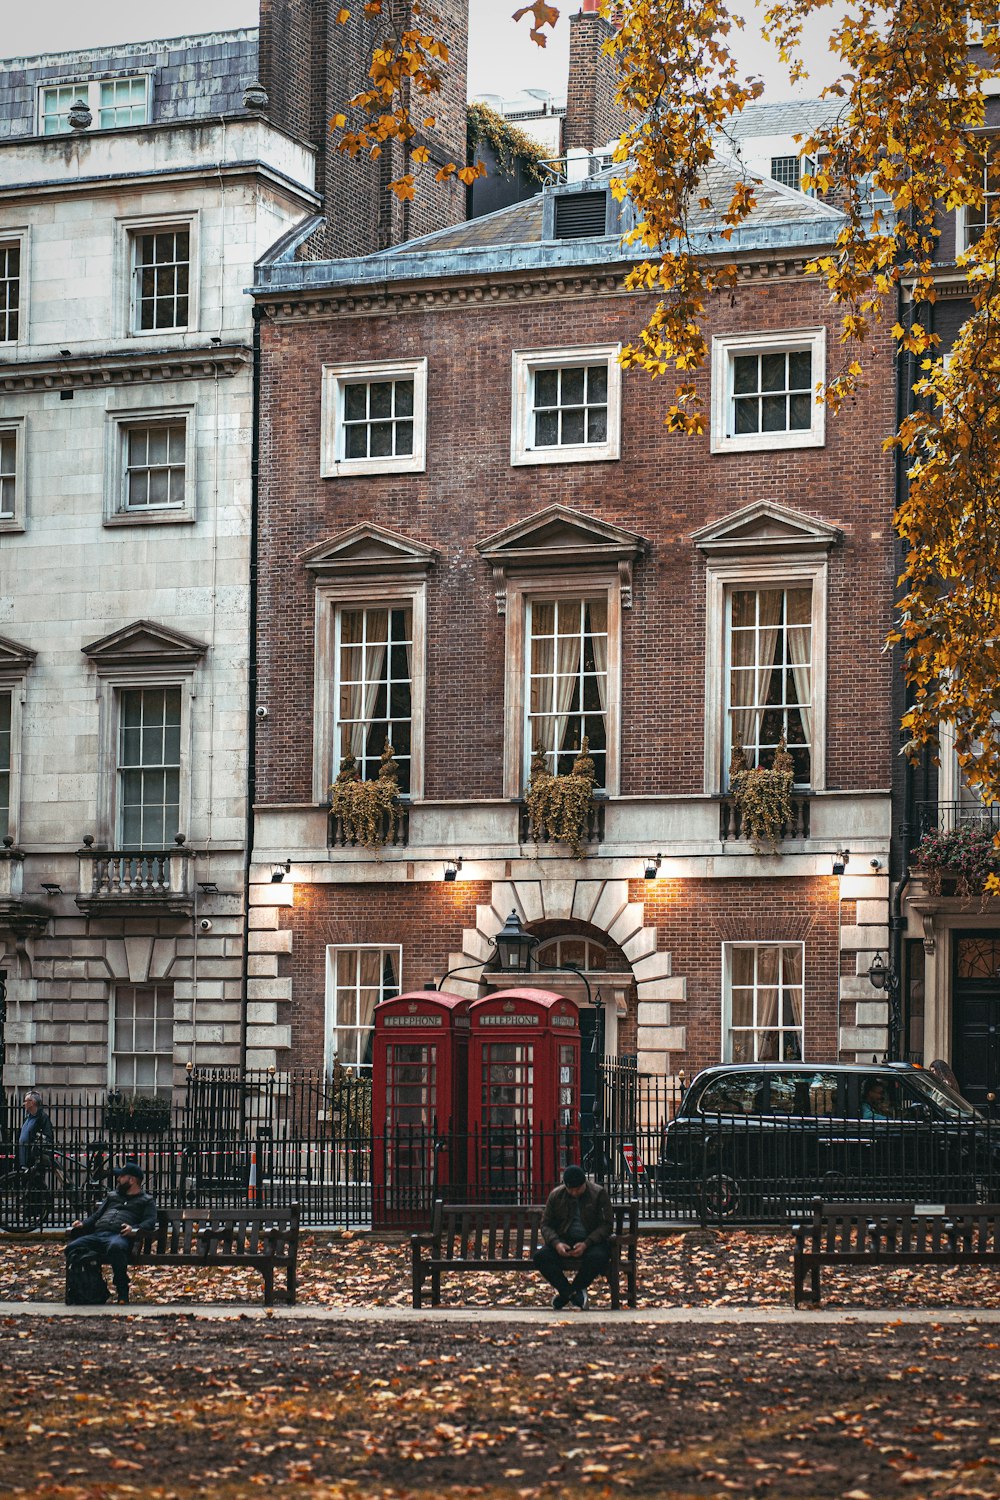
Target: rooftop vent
column 579, row 215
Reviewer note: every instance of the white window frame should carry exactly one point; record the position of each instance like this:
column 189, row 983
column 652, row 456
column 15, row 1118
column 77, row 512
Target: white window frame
column 524, row 364
column 168, row 836
column 18, row 239
column 573, row 584
column 19, row 427
column 727, row 999
column 332, row 595
column 725, row 348
column 129, row 231
column 114, row 1052
column 728, row 746
column 387, row 609
column 89, row 90
column 330, row 1007
column 113, row 682
column 530, row 601
column 962, row 241
column 333, row 464
column 120, row 423
column 721, row 576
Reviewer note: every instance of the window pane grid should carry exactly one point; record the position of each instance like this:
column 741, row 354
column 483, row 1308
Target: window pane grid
column 786, row 170
column 123, row 102
column 769, row 676
column 362, row 977
column 149, row 767
column 57, row 103
column 765, row 1003
column 143, row 1037
column 567, row 683
column 569, row 406
column 8, row 472
column 979, row 216
column 771, row 392
column 5, row 719
column 154, row 466
column 378, row 419
column 10, row 292
column 373, row 691
column 161, row 278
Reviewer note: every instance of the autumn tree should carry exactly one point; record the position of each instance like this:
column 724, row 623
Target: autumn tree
column 904, row 145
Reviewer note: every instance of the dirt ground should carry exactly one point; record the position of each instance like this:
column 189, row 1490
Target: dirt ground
column 117, row 1407
column 696, row 1268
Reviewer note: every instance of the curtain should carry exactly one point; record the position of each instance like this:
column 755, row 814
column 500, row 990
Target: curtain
column 569, row 667
column 369, row 991
column 769, row 612
column 800, row 658
column 599, row 641
column 767, row 1004
column 741, row 676
column 363, row 694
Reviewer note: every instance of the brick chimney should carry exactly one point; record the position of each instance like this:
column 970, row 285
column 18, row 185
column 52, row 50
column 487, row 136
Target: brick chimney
column 592, row 116
column 310, row 66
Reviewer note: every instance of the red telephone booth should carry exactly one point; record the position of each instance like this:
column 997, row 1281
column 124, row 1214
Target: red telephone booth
column 524, row 1093
column 419, row 1071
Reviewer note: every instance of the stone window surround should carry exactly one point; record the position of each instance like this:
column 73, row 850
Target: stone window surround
column 13, row 680
column 119, row 421
column 722, row 576
column 114, row 1052
column 331, row 594
column 89, row 90
column 112, row 679
column 335, row 378
column 724, row 348
column 19, row 426
column 20, row 236
column 726, row 993
column 126, row 231
column 574, row 583
column 329, row 1007
column 524, row 363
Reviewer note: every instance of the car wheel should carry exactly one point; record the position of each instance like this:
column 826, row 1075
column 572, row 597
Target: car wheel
column 721, row 1196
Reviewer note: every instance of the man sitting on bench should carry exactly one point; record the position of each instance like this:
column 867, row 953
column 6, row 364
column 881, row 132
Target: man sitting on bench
column 109, row 1233
column 577, row 1225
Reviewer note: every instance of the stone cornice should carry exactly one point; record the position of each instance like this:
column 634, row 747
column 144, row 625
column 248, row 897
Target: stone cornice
column 130, row 367
column 556, row 285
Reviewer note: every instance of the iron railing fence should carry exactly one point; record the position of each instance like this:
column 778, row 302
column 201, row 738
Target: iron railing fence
column 280, row 1138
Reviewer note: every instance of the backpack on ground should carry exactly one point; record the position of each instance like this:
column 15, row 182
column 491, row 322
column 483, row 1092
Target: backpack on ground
column 85, row 1286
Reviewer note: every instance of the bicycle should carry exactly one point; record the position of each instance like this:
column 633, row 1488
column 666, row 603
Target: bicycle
column 28, row 1194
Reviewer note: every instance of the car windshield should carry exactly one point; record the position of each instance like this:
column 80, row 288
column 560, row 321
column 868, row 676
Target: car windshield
column 947, row 1099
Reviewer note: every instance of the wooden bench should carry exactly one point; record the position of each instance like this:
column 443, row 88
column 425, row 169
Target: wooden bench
column 893, row 1234
column 474, row 1237
column 265, row 1238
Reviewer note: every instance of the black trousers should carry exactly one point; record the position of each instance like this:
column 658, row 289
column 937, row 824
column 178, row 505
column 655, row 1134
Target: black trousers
column 592, row 1262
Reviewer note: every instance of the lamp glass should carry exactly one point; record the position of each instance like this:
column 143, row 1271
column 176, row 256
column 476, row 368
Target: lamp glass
column 514, row 946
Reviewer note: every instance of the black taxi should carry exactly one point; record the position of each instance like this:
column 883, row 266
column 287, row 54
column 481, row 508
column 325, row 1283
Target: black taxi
column 759, row 1140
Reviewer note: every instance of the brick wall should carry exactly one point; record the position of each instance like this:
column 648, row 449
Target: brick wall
column 664, row 486
column 592, row 116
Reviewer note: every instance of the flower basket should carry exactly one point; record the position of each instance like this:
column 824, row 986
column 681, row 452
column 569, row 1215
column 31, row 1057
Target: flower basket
column 368, row 809
column 964, row 861
column 763, row 797
column 559, row 807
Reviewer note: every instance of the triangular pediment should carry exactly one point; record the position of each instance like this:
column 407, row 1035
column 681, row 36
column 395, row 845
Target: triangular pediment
column 558, row 534
column 145, row 643
column 366, row 549
column 767, row 527
column 14, row 657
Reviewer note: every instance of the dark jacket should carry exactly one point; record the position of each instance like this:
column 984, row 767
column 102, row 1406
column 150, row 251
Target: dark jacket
column 595, row 1211
column 35, row 1131
column 119, row 1209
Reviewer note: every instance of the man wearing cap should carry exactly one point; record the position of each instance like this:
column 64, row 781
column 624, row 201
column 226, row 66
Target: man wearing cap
column 109, row 1233
column 576, row 1226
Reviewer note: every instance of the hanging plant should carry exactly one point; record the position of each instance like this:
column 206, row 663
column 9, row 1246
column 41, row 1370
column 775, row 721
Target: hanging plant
column 512, row 147
column 967, row 854
column 560, row 807
column 368, row 809
column 763, row 797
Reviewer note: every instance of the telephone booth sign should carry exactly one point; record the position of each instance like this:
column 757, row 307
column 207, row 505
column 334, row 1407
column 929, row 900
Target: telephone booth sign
column 524, row 1093
column 419, row 1063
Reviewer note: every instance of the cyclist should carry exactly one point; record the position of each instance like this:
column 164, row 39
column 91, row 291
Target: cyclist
column 36, row 1130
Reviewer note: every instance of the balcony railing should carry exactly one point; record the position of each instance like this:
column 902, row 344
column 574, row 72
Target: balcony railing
column 945, row 817
column 136, row 879
column 395, row 837
column 731, row 819
column 593, row 835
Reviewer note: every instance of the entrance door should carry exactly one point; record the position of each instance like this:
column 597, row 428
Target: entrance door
column 976, row 1016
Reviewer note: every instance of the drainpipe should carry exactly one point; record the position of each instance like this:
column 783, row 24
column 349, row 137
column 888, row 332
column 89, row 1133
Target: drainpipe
column 248, row 838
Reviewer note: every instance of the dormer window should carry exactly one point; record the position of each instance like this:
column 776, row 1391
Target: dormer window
column 113, row 103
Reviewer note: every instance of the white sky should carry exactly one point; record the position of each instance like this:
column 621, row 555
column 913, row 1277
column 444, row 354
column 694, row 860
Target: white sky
column 502, row 58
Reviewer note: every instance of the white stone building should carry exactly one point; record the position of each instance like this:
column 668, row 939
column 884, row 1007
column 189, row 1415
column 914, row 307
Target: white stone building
column 138, row 187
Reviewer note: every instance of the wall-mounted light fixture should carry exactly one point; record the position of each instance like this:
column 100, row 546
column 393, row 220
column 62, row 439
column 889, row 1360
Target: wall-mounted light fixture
column 278, row 872
column 208, row 888
column 452, row 868
column 653, row 863
column 51, row 887
column 841, row 860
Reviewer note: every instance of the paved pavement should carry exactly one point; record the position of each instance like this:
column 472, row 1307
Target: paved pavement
column 686, row 1315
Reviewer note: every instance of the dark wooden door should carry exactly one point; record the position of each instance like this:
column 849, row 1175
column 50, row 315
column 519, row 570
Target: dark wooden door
column 976, row 1016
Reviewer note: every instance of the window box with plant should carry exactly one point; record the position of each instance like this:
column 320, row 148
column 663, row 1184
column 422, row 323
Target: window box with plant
column 560, row 807
column 137, row 1114
column 763, row 797
column 965, row 857
column 368, row 810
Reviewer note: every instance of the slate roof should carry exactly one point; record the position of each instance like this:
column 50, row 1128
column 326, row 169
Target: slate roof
column 783, row 117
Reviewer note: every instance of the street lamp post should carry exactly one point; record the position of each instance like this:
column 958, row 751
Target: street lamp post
column 882, row 976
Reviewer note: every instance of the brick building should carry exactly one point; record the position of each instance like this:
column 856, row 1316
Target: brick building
column 479, row 539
